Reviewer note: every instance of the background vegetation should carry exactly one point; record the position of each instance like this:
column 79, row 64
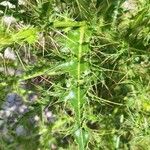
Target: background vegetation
column 79, row 70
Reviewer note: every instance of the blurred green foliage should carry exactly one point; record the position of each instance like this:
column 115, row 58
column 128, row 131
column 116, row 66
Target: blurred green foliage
column 88, row 62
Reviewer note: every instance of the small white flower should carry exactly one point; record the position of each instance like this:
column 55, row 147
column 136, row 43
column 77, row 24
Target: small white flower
column 22, row 108
column 8, row 20
column 36, row 118
column 21, row 2
column 7, row 113
column 48, row 114
column 13, row 108
column 9, row 54
column 129, row 5
column 7, row 4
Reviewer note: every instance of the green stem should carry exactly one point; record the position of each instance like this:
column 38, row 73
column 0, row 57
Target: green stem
column 81, row 147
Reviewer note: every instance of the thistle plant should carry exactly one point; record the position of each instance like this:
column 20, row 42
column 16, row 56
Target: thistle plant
column 76, row 44
column 74, row 74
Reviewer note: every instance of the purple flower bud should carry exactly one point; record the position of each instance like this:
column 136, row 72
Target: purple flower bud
column 49, row 116
column 32, row 97
column 11, row 97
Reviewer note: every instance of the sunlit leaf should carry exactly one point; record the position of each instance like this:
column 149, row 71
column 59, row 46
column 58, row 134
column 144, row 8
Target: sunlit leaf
column 26, row 35
column 81, row 137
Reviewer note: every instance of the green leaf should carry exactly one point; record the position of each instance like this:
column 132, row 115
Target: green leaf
column 72, row 42
column 28, row 35
column 81, row 137
column 72, row 68
column 73, row 96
